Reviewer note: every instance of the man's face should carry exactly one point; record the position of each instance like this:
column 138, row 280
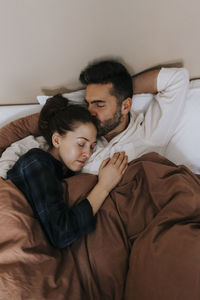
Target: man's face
column 103, row 106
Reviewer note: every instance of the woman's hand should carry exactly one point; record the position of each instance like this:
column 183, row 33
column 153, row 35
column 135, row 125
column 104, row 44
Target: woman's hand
column 112, row 170
column 110, row 173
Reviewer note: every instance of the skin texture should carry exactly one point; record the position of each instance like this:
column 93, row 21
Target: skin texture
column 75, row 147
column 146, row 82
column 112, row 117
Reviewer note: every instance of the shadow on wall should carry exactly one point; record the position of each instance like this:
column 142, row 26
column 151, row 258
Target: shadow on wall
column 63, row 90
column 171, row 64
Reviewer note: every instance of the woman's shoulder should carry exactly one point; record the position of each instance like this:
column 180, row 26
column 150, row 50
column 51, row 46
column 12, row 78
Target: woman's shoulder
column 37, row 153
column 36, row 156
column 33, row 161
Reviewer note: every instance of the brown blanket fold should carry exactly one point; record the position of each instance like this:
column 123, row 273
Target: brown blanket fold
column 17, row 130
column 146, row 244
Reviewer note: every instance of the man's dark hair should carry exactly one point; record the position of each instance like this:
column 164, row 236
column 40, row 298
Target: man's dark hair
column 109, row 71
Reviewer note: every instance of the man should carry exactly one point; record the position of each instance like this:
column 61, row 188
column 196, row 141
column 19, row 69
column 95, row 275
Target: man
column 108, row 94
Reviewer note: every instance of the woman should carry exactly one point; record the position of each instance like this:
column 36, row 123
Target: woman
column 71, row 133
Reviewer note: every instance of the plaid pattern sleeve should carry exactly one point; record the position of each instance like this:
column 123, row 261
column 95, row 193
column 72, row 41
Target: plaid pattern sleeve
column 38, row 175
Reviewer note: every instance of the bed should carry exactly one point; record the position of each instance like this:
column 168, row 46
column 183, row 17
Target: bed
column 147, row 240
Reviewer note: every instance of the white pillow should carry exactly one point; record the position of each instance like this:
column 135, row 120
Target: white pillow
column 10, row 113
column 76, row 97
column 140, row 101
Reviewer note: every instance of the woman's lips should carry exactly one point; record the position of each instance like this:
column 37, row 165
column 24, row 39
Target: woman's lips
column 82, row 162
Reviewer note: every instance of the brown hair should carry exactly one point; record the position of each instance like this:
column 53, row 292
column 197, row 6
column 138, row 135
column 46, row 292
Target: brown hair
column 58, row 115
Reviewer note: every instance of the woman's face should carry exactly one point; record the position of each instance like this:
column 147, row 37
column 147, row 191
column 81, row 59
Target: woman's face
column 75, row 147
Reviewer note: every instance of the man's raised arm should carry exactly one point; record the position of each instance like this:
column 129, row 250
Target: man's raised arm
column 17, row 130
column 146, row 82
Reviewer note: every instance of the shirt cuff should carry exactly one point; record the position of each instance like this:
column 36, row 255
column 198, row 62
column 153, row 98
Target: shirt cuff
column 169, row 76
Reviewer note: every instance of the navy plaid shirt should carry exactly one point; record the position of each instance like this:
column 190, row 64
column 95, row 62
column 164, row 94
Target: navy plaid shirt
column 38, row 175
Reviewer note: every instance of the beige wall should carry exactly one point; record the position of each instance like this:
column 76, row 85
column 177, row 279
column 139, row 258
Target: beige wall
column 45, row 43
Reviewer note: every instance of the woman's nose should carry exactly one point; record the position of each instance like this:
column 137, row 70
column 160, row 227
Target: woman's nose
column 87, row 153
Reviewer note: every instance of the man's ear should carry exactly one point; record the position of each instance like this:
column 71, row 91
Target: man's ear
column 56, row 139
column 126, row 106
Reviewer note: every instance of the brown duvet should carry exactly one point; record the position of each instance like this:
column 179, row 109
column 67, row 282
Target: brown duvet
column 146, row 245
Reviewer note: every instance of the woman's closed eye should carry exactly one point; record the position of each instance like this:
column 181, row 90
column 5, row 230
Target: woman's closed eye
column 81, row 144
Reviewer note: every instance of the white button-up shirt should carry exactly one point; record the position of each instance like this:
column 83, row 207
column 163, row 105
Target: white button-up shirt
column 152, row 130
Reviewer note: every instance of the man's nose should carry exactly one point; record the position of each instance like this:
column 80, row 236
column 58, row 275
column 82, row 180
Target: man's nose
column 92, row 111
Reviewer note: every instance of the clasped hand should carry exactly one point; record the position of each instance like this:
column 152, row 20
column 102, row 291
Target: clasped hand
column 112, row 170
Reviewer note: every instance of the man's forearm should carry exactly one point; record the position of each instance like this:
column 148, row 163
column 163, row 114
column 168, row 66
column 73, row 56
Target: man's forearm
column 145, row 82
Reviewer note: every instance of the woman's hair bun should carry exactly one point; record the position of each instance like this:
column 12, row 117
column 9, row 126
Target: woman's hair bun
column 59, row 115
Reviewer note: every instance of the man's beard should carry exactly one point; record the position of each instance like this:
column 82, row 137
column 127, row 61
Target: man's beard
column 106, row 126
